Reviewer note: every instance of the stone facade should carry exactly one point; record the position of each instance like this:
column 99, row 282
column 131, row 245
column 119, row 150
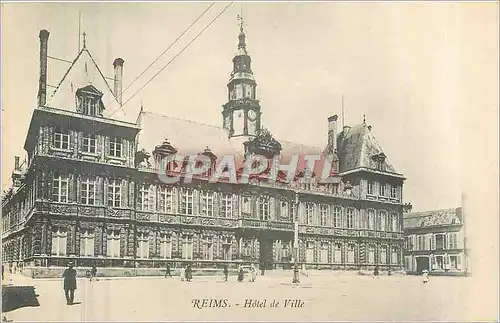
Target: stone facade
column 88, row 192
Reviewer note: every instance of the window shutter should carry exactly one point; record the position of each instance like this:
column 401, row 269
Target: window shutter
column 235, row 206
column 71, row 188
column 98, row 148
column 414, row 242
column 100, row 197
column 106, row 146
column 459, row 262
column 175, row 200
column 124, row 193
column 433, row 242
column 196, row 202
column 125, row 149
column 50, row 183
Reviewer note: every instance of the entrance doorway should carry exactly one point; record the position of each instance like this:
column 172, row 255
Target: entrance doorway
column 266, row 254
column 422, row 263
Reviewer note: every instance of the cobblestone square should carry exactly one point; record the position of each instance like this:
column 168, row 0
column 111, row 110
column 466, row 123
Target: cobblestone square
column 323, row 297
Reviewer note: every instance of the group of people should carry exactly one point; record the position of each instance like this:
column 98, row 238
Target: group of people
column 253, row 274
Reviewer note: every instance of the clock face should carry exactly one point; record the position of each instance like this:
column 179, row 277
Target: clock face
column 251, row 115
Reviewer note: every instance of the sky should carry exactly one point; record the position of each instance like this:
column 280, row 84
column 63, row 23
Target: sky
column 410, row 68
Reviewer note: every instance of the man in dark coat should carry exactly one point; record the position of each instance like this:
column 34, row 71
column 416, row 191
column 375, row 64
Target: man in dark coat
column 93, row 272
column 167, row 271
column 226, row 272
column 69, row 276
column 189, row 273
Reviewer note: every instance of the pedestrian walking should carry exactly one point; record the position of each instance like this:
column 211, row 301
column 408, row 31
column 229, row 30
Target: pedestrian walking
column 183, row 274
column 167, row 271
column 253, row 273
column 93, row 272
column 69, row 276
column 226, row 272
column 240, row 274
column 189, row 273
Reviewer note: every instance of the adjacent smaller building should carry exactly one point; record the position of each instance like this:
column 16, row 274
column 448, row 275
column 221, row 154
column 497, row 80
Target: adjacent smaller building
column 435, row 240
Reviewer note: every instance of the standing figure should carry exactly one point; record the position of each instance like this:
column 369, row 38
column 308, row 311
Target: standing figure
column 183, row 274
column 2, row 270
column 425, row 276
column 375, row 271
column 167, row 271
column 69, row 276
column 189, row 273
column 226, row 272
column 304, row 270
column 93, row 272
column 240, row 274
column 253, row 273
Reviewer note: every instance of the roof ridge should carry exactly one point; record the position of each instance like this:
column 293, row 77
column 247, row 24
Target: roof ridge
column 430, row 212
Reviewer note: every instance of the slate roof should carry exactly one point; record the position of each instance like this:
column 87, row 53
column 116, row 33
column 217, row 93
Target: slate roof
column 190, row 137
column 83, row 72
column 356, row 147
column 432, row 218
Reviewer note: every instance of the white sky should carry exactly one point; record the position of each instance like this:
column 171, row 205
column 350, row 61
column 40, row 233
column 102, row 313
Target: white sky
column 408, row 66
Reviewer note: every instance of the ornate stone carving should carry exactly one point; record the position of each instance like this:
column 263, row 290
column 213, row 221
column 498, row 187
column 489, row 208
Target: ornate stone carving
column 208, row 221
column 60, row 209
column 309, row 229
column 166, row 218
column 187, row 220
column 114, row 213
column 141, row 216
column 86, row 210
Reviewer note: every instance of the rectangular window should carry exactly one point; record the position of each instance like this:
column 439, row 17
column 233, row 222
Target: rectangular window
column 454, row 262
column 394, row 191
column 59, row 240
column 323, row 256
column 370, row 187
column 207, row 204
column 310, row 213
column 115, row 147
column 381, row 189
column 421, row 242
column 187, row 200
column 88, row 191
column 337, row 253
column 61, row 139
column 323, row 212
column 87, row 243
column 114, row 193
column 89, row 143
column 310, row 251
column 166, row 202
column 89, row 105
column 382, row 220
column 60, row 189
column 350, row 254
column 439, row 241
column 226, row 206
column 452, row 241
column 337, row 217
column 165, row 246
column 113, row 244
column 394, row 256
column 208, row 249
column 143, row 245
column 350, row 218
column 187, row 247
column 394, row 222
column 371, row 254
column 284, row 210
column 226, row 248
column 383, row 255
column 146, row 198
column 371, row 219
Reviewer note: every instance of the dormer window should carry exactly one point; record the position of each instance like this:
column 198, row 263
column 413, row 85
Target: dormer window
column 89, row 101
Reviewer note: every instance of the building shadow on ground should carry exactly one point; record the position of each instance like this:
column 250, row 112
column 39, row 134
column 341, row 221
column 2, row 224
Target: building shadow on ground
column 14, row 297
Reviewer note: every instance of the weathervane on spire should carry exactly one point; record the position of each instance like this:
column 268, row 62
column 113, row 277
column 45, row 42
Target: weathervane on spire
column 240, row 18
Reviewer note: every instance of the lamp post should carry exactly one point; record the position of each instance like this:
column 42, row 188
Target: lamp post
column 296, row 242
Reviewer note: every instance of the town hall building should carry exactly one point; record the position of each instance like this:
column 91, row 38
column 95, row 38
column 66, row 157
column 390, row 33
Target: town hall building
column 89, row 189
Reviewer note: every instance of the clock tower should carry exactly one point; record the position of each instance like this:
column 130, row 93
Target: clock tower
column 241, row 114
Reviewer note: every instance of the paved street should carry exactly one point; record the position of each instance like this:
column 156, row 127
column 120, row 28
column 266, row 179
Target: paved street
column 325, row 297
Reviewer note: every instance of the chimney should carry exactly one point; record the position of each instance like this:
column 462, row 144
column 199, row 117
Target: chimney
column 332, row 132
column 16, row 163
column 42, row 85
column 118, row 84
